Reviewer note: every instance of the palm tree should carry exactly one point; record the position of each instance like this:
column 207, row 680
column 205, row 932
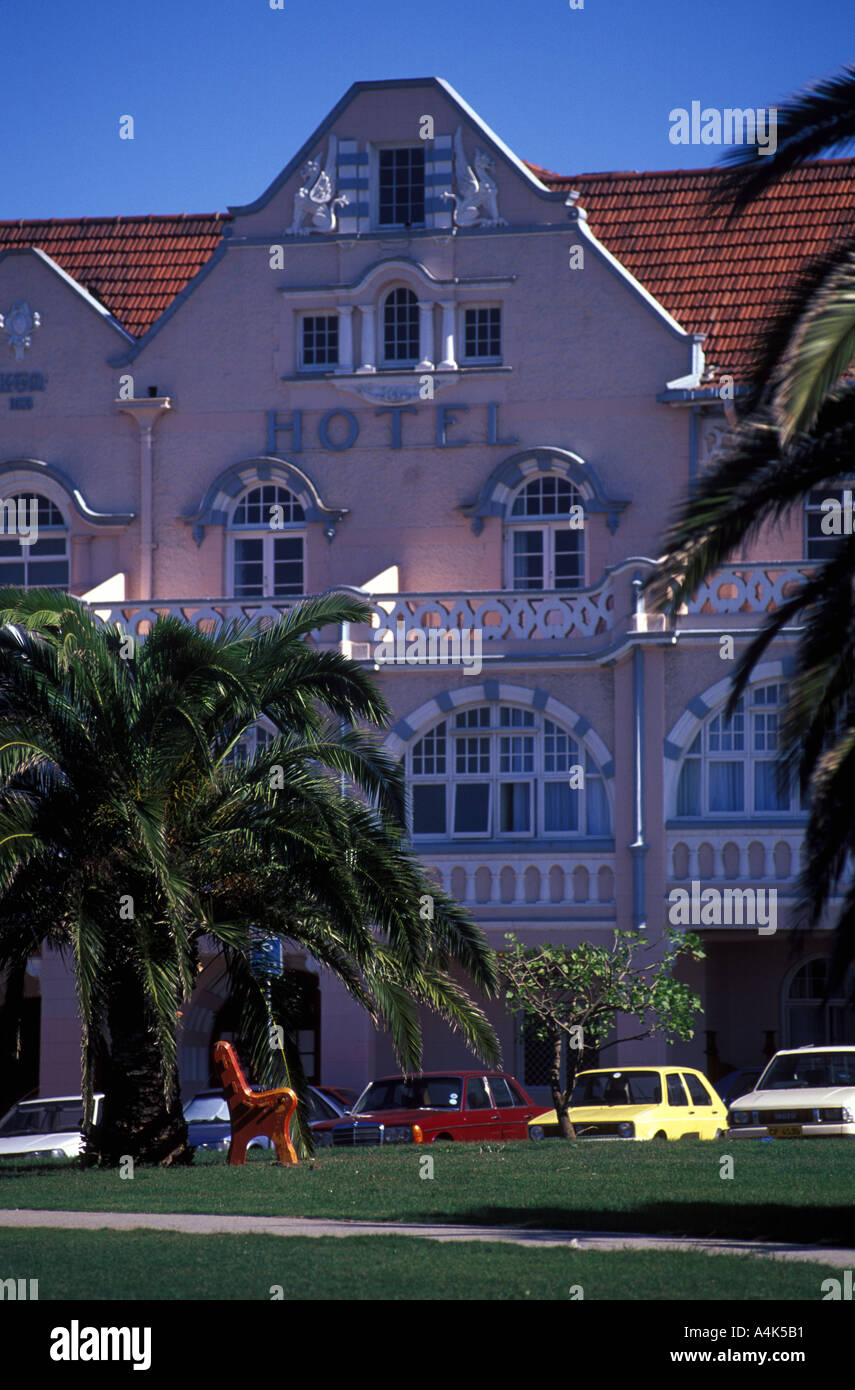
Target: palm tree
column 130, row 836
column 796, row 434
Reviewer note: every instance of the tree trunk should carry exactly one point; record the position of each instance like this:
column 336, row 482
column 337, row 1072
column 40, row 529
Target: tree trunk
column 559, row 1095
column 137, row 1121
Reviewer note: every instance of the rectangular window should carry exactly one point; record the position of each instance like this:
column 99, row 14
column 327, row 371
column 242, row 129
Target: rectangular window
column 516, row 753
column 767, row 797
column 569, row 560
column 249, row 567
column 319, row 340
column 560, row 807
column 472, row 808
column 515, row 808
column 288, row 565
column 473, row 755
column 597, row 805
column 401, row 188
column 528, row 559
column 727, row 787
column 429, row 809
column 482, row 334
column 826, row 528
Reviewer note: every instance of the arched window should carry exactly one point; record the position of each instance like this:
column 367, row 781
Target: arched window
column 496, row 770
column 33, row 543
column 267, row 544
column 401, row 327
column 731, row 767
column 545, row 536
column 808, row 1016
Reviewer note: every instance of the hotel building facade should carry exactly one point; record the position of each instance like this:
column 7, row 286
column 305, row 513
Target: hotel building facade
column 473, row 391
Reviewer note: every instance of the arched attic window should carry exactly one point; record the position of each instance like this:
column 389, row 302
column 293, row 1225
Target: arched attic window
column 34, row 548
column 545, row 536
column 731, row 767
column 267, row 543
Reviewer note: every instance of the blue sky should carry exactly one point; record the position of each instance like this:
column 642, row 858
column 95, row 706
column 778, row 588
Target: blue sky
column 223, row 92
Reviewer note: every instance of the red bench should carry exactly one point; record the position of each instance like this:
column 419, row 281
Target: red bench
column 254, row 1113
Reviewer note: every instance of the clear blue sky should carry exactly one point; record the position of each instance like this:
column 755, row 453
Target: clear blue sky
column 223, row 92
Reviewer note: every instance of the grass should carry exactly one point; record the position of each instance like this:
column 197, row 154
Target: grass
column 78, row 1265
column 797, row 1190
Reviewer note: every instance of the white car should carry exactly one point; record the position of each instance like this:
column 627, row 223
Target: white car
column 47, row 1128
column 804, row 1093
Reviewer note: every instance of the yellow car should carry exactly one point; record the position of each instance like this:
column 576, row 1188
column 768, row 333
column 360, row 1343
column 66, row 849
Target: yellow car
column 639, row 1103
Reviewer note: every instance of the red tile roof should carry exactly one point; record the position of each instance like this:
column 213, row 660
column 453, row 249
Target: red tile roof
column 134, row 265
column 664, row 227
column 716, row 279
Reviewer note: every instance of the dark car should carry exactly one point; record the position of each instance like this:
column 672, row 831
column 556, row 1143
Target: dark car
column 419, row 1109
column 341, row 1095
column 208, row 1126
column 738, row 1083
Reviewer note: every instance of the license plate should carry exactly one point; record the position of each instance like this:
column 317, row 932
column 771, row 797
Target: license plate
column 785, row 1131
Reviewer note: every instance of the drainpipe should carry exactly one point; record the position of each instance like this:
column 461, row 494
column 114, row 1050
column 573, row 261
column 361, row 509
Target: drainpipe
column 146, row 410
column 639, row 846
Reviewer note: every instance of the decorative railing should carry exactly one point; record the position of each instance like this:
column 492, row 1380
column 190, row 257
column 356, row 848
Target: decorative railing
column 553, row 879
column 752, row 855
column 750, row 588
column 499, row 615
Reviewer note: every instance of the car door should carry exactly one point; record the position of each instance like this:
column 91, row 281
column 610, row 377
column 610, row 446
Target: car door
column 702, row 1106
column 481, row 1119
column 514, row 1114
column 679, row 1113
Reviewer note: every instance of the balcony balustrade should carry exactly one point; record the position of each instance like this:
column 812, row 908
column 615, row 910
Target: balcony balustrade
column 549, row 880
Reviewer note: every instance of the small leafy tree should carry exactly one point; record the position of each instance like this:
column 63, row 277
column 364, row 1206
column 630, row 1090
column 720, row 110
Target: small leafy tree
column 571, row 995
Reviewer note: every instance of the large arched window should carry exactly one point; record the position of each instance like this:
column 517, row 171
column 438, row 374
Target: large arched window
column 496, row 770
column 34, row 552
column 811, row 1018
column 545, row 536
column 401, row 328
column 267, row 544
column 731, row 767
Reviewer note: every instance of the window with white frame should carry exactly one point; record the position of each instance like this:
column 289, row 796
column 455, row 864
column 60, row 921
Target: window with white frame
column 731, row 767
column 401, row 327
column 482, row 333
column 401, row 187
column 34, row 549
column 267, row 543
column 545, row 536
column 829, row 519
column 497, row 770
column 810, row 1015
column 318, row 340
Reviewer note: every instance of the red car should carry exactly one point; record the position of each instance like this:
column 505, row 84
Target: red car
column 434, row 1105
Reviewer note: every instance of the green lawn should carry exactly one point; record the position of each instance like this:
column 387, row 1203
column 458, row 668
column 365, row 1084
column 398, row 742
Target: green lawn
column 73, row 1265
column 799, row 1190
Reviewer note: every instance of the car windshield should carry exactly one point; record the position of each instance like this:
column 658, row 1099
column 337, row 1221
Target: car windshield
column 43, row 1119
column 202, row 1110
column 617, row 1088
column 415, row 1093
column 800, row 1070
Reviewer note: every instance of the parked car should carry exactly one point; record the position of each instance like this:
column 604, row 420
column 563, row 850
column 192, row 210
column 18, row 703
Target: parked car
column 209, row 1127
column 639, row 1103
column 738, row 1083
column 804, row 1093
column 456, row 1105
column 341, row 1095
column 47, row 1128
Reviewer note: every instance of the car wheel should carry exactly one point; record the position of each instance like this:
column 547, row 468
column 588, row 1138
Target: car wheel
column 719, row 1134
column 437, row 1137
column 660, row 1134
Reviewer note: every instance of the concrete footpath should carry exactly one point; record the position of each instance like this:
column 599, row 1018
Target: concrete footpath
column 192, row 1224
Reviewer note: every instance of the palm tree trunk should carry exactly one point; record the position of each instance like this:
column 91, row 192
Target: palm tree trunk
column 138, row 1121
